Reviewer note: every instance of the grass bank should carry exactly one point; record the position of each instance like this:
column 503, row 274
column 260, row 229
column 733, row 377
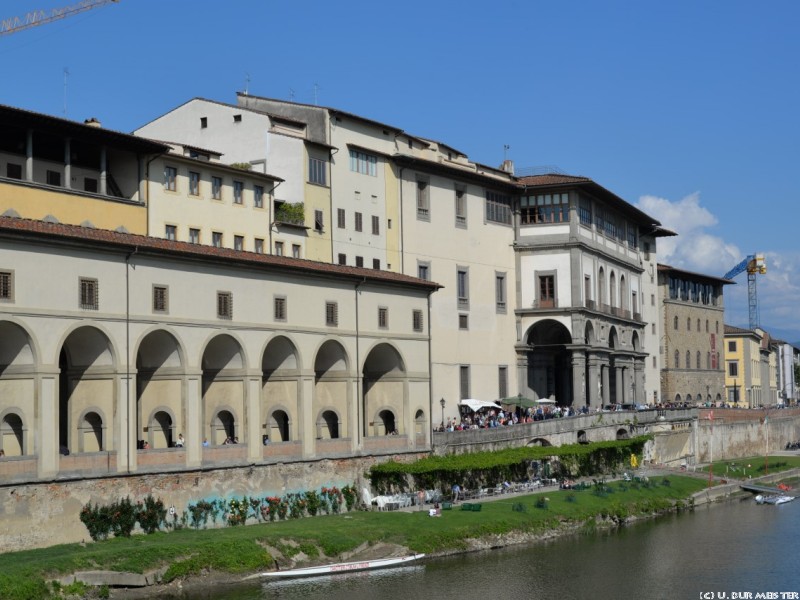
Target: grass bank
column 754, row 466
column 241, row 550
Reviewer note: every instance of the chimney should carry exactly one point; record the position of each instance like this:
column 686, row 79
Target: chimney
column 92, row 122
column 508, row 166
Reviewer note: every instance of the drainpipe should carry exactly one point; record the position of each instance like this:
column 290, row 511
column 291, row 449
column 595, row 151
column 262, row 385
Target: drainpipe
column 430, row 371
column 359, row 431
column 128, row 349
column 402, row 230
column 271, row 208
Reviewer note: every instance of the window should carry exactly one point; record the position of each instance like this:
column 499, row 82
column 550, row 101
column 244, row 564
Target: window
column 361, row 162
column 500, row 293
column 319, row 221
column 688, row 360
column 279, row 248
column 53, row 178
column 706, row 325
column 423, row 201
column 462, row 287
column 383, row 317
column 224, row 305
column 731, row 346
column 359, row 221
column 544, row 208
column 216, row 239
column 653, row 328
column 90, row 185
column 463, row 381
column 424, row 271
column 6, row 286
column 688, row 324
column 342, row 259
column 170, row 179
column 194, row 183
column 547, row 292
column 733, row 369
column 416, row 320
column 498, row 207
column 697, row 360
column 677, row 359
column 203, row 122
column 675, row 323
column 238, row 242
column 238, row 191
column 502, row 381
column 376, row 225
column 585, row 211
column 258, row 196
column 216, row 188
column 340, row 218
column 359, row 261
column 13, row 171
column 237, row 118
column 317, row 171
column 633, row 237
column 698, row 324
column 331, row 314
column 160, row 299
column 461, row 207
column 170, row 232
column 88, row 298
column 279, row 308
column 295, row 250
column 376, row 264
column 652, row 299
column 463, row 322
column 258, row 245
column 194, row 235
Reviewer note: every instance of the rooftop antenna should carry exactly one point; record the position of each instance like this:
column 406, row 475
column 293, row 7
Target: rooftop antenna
column 506, row 148
column 246, row 83
column 66, row 74
column 291, row 94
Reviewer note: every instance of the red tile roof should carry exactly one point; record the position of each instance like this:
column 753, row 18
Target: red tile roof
column 552, row 179
column 17, row 227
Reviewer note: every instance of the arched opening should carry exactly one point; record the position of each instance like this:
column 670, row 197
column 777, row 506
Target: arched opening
column 159, row 389
column 385, row 423
column 328, row 425
column 384, row 386
column 162, row 430
column 614, row 394
column 11, row 435
column 612, row 289
column 637, row 345
column 623, row 434
column 539, row 442
column 623, row 293
column 582, row 437
column 223, row 428
column 420, row 423
column 678, row 398
column 549, row 369
column 86, row 383
column 332, row 382
column 601, row 288
column 279, row 426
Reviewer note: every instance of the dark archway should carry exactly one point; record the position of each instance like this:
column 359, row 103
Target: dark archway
column 384, row 388
column 549, row 372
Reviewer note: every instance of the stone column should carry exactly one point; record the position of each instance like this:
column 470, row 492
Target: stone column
column 638, row 369
column 307, row 428
column 125, row 442
column 46, row 444
column 355, row 417
column 593, row 383
column 620, row 383
column 252, row 403
column 579, row 398
column 195, row 432
column 606, row 383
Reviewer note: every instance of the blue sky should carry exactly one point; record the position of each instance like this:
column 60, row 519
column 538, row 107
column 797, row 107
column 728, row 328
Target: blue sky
column 685, row 109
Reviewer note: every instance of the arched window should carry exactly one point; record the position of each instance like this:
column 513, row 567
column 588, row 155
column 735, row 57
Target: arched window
column 688, row 360
column 716, row 326
column 677, row 359
column 698, row 325
column 698, row 360
column 688, row 324
column 706, row 325
column 708, row 360
column 675, row 323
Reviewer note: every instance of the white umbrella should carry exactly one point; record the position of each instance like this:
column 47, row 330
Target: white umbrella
column 546, row 401
column 478, row 404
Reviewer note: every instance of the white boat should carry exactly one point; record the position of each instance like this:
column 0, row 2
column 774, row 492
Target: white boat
column 773, row 499
column 343, row 567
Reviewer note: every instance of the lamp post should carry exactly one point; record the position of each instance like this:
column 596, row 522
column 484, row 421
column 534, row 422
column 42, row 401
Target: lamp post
column 442, row 403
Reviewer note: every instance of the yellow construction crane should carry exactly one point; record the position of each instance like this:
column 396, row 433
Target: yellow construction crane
column 754, row 265
column 40, row 17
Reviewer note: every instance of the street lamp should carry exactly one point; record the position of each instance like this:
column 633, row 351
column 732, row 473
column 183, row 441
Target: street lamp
column 442, row 403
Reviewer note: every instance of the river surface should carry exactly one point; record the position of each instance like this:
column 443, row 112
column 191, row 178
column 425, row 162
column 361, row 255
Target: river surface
column 719, row 552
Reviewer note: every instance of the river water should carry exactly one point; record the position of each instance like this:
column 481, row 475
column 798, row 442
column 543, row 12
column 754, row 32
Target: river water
column 719, row 552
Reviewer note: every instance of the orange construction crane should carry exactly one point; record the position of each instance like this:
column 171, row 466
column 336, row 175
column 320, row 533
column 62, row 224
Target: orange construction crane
column 40, row 17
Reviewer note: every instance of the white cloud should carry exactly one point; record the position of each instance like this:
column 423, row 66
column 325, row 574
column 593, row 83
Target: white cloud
column 695, row 248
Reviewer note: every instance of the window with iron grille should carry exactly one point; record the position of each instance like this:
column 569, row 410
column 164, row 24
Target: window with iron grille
column 6, row 286
column 359, row 261
column 423, row 200
column 170, row 178
column 89, row 294
column 463, row 321
column 331, row 314
column 342, row 259
column 500, row 292
column 498, row 207
column 340, row 218
column 376, row 225
column 417, row 320
column 462, row 287
column 383, row 317
column 376, row 263
column 224, row 305
column 160, row 298
column 280, row 308
column 463, row 381
column 461, row 207
column 359, row 221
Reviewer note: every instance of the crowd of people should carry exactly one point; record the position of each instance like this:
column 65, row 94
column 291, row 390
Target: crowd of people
column 487, row 418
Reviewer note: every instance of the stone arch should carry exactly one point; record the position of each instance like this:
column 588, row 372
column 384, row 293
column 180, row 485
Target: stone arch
column 539, row 442
column 623, row 293
column 223, row 362
column 13, row 433
column 332, row 381
column 677, row 398
column 588, row 334
column 280, row 386
column 549, row 368
column 612, row 290
column 161, row 428
column 279, row 425
column 87, row 373
column 601, row 287
column 328, row 425
column 635, row 342
column 17, row 348
column 160, row 372
column 384, row 388
column 623, row 434
column 689, row 398
column 420, row 423
column 582, row 437
column 385, row 422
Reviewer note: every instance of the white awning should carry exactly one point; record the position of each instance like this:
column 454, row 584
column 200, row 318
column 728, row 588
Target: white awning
column 478, row 404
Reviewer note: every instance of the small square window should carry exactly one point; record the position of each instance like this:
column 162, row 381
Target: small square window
column 383, row 317
column 342, row 259
column 237, row 118
column 13, row 171
column 376, row 263
column 216, row 239
column 258, row 196
column 331, row 314
column 417, row 320
column 6, row 286
column 88, row 294
column 278, row 248
column 194, row 235
column 170, row 179
column 258, row 246
column 216, row 188
column 224, row 305
column 359, row 261
column 53, row 178
column 238, row 242
column 463, row 321
column 280, row 308
column 238, row 192
column 90, row 185
column 295, row 251
column 171, row 232
column 194, row 183
column 160, row 298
